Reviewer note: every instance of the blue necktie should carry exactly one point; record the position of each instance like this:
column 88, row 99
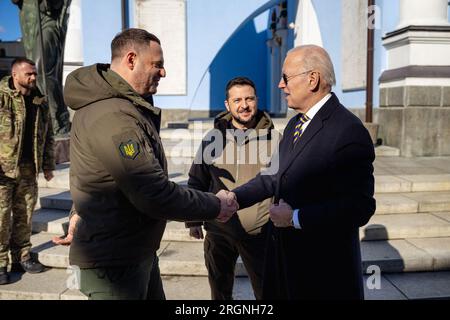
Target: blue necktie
column 299, row 127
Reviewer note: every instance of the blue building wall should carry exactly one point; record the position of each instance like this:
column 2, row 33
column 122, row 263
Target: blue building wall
column 9, row 21
column 216, row 52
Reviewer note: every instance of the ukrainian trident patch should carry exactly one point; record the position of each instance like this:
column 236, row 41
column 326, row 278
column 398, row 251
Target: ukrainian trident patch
column 129, row 150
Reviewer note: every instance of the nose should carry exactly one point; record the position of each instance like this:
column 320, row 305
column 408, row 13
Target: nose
column 281, row 84
column 162, row 72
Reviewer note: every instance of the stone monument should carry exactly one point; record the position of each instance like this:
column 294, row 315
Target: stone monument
column 47, row 50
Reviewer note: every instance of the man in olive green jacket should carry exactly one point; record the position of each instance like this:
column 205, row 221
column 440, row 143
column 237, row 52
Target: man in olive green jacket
column 26, row 147
column 118, row 175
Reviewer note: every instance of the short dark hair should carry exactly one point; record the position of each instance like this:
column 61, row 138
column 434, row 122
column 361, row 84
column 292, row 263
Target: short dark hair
column 130, row 38
column 21, row 60
column 238, row 81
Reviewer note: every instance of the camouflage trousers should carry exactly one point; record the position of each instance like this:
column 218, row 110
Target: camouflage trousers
column 17, row 201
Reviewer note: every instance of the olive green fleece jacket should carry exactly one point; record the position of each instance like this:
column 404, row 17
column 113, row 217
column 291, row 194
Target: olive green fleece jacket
column 222, row 174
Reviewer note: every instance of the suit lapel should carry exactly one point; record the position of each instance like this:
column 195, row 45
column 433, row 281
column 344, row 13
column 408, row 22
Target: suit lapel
column 317, row 123
column 312, row 129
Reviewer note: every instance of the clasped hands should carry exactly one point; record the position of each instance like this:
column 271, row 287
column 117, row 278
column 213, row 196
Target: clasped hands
column 228, row 205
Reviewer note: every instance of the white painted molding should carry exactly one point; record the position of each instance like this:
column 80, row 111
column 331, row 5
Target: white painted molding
column 428, row 82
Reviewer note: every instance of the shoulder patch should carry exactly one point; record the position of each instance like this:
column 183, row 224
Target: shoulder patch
column 129, row 149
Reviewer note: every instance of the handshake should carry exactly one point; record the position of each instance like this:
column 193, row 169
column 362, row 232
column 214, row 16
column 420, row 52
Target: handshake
column 228, row 205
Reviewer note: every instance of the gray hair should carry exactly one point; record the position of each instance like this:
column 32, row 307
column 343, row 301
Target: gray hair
column 315, row 57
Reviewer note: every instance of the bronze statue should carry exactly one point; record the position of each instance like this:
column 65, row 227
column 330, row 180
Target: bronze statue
column 50, row 17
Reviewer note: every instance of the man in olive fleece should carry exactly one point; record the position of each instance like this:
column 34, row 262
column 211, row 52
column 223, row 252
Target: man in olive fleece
column 246, row 132
column 118, row 175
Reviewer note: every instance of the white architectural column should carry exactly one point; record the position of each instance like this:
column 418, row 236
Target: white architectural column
column 73, row 50
column 415, row 90
column 422, row 37
column 423, row 13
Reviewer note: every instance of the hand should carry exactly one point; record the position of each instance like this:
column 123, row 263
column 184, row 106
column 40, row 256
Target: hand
column 228, row 205
column 196, row 232
column 67, row 240
column 281, row 214
column 48, row 175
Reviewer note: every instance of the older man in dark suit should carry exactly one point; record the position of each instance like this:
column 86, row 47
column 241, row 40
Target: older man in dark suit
column 323, row 189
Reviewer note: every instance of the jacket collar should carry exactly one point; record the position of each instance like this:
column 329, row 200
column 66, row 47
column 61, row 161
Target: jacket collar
column 126, row 91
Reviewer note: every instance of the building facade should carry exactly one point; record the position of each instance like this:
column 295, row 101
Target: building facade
column 208, row 42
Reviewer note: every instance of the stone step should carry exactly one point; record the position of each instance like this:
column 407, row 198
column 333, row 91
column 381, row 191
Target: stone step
column 380, row 227
column 392, row 203
column 179, row 167
column 51, row 221
column 49, row 254
column 395, row 286
column 197, row 288
column 186, row 258
column 49, row 285
column 385, row 151
column 412, row 183
column 408, row 255
column 387, row 203
column 411, row 286
column 406, row 226
column 386, row 183
column 57, row 222
column 58, row 199
column 60, row 179
column 176, row 231
column 53, row 285
column 412, row 166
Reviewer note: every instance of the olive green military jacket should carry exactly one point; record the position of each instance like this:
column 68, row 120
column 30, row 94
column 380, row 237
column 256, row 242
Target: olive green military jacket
column 12, row 129
column 118, row 173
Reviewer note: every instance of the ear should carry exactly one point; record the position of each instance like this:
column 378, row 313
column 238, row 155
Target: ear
column 130, row 60
column 227, row 105
column 314, row 80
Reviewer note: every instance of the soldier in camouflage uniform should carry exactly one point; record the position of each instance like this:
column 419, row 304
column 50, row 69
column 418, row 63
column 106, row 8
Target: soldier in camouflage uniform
column 26, row 147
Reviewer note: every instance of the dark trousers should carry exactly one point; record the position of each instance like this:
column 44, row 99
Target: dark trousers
column 221, row 254
column 135, row 282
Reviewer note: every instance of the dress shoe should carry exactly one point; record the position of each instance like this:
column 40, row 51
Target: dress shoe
column 4, row 276
column 29, row 266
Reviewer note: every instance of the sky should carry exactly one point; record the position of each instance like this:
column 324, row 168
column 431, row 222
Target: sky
column 9, row 21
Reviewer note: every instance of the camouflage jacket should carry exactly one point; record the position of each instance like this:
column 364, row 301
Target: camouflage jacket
column 12, row 128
